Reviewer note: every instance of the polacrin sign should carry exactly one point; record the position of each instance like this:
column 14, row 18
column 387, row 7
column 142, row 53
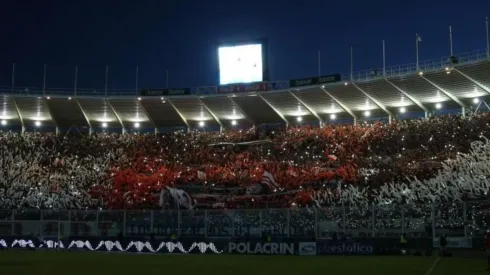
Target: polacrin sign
column 262, row 248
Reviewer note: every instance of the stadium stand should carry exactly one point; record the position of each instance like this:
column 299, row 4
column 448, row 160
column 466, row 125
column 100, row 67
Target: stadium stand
column 341, row 148
column 300, row 165
column 244, row 165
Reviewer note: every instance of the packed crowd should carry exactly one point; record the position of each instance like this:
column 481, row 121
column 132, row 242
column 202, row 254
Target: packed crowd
column 439, row 159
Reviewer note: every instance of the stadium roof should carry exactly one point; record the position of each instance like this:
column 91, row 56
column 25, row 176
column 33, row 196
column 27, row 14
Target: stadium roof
column 378, row 96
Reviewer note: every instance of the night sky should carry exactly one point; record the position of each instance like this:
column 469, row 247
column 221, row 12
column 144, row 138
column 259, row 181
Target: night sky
column 181, row 36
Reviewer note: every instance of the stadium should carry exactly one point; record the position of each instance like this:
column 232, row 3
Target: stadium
column 337, row 164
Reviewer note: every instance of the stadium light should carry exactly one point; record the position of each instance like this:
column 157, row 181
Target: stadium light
column 37, row 123
column 421, row 73
column 367, row 113
column 104, row 124
column 233, row 122
column 48, row 98
column 299, row 119
column 201, row 123
column 333, row 116
column 402, row 110
column 345, row 83
column 438, row 105
column 139, row 98
column 476, row 100
column 69, row 98
column 4, row 122
column 136, row 125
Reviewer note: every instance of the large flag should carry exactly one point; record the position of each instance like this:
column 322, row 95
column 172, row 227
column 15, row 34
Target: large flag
column 173, row 197
column 315, row 202
column 268, row 179
column 332, row 157
column 337, row 188
column 201, row 175
column 163, row 198
column 367, row 133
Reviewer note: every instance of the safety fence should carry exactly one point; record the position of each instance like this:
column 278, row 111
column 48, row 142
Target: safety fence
column 402, row 70
column 382, row 221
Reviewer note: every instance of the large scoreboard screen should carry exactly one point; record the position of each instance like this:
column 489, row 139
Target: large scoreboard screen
column 242, row 62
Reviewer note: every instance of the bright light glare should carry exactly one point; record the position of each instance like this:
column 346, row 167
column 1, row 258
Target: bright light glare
column 240, row 64
column 438, row 105
column 136, row 125
column 201, row 123
column 299, row 119
column 233, row 122
column 402, row 110
column 333, row 116
column 4, row 122
column 104, row 124
column 476, row 100
column 37, row 123
column 367, row 113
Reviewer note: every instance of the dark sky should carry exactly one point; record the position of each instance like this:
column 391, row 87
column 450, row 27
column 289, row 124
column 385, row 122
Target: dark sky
column 181, row 36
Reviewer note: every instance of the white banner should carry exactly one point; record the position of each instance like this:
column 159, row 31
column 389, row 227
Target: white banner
column 307, row 249
column 163, row 247
column 455, row 242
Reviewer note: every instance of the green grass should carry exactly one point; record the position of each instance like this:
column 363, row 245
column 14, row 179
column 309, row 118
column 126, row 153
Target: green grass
column 95, row 263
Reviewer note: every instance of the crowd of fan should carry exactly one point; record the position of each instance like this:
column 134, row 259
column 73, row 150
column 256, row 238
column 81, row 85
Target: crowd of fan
column 402, row 162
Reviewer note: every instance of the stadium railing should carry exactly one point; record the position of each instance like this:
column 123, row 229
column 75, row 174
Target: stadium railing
column 424, row 221
column 364, row 75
